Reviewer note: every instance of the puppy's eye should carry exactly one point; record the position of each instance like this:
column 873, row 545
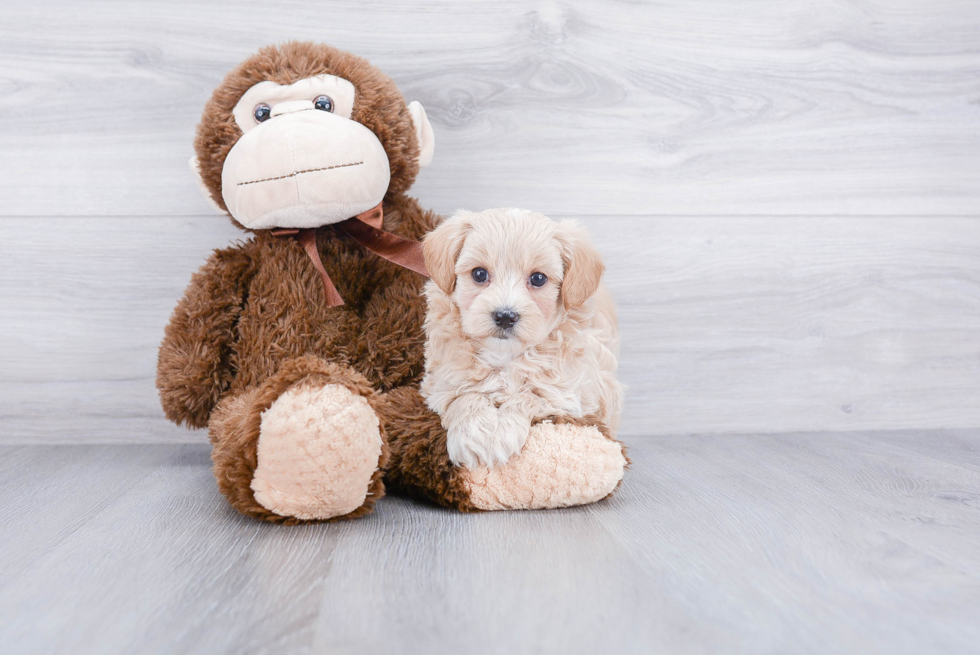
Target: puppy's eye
column 262, row 112
column 323, row 103
column 480, row 275
column 538, row 279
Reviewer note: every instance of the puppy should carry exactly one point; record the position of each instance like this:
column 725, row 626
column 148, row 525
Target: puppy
column 518, row 328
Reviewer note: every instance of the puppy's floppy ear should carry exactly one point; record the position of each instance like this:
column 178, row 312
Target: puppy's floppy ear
column 441, row 248
column 583, row 265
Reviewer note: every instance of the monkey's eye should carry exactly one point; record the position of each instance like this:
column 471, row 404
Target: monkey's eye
column 262, row 112
column 323, row 103
column 538, row 279
column 480, row 275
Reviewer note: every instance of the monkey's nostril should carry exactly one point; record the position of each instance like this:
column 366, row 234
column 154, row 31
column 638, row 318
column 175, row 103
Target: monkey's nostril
column 505, row 318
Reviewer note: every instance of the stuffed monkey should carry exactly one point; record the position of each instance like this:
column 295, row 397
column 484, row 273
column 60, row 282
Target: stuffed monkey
column 301, row 348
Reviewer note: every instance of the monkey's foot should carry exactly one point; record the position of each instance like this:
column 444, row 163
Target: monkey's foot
column 318, row 453
column 560, row 465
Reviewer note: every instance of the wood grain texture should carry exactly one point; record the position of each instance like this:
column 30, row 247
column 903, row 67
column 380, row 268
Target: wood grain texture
column 679, row 107
column 854, row 542
column 729, row 324
column 797, row 323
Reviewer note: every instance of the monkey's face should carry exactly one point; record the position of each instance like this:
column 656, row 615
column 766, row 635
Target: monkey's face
column 301, row 160
column 299, row 151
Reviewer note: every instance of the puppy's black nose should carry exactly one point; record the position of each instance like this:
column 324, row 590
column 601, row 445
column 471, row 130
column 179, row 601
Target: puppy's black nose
column 506, row 318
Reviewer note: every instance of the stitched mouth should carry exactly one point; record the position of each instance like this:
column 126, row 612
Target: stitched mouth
column 295, row 173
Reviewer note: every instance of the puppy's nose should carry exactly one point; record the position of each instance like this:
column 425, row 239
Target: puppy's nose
column 506, row 318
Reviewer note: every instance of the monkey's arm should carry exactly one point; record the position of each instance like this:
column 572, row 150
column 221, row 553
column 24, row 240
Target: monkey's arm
column 391, row 343
column 193, row 364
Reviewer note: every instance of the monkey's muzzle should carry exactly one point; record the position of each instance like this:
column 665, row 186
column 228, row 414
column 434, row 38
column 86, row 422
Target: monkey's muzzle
column 304, row 169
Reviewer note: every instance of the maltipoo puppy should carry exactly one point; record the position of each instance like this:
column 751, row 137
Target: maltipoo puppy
column 518, row 330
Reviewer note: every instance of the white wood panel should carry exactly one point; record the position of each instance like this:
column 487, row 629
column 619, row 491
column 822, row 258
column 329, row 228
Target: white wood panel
column 794, row 543
column 678, row 107
column 729, row 324
column 797, row 323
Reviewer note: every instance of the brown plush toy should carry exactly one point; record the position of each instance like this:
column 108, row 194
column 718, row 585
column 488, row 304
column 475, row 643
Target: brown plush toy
column 301, row 349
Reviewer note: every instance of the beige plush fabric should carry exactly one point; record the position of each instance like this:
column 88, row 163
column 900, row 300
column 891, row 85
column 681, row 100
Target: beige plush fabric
column 340, row 91
column 318, row 448
column 304, row 169
column 560, row 466
column 423, row 132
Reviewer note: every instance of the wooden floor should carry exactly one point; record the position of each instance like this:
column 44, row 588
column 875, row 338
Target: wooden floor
column 859, row 542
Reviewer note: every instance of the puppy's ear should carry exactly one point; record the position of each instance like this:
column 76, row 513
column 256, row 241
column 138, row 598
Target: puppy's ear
column 583, row 265
column 441, row 248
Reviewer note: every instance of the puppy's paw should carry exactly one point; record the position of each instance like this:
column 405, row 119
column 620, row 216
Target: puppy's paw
column 488, row 436
column 469, row 440
column 512, row 431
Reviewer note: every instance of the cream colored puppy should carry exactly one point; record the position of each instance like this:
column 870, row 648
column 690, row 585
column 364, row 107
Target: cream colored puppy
column 518, row 329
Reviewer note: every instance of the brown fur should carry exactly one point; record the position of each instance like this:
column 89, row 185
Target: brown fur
column 419, row 464
column 253, row 322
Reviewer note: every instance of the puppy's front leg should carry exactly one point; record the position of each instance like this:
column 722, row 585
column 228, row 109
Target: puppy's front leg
column 471, row 425
column 514, row 422
column 478, row 432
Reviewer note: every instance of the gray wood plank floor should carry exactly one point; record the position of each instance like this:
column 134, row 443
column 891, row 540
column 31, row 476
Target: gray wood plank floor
column 858, row 542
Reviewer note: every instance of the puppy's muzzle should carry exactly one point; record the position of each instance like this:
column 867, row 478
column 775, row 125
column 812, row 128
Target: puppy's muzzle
column 505, row 318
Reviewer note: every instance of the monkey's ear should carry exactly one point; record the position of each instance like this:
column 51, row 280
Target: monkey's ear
column 582, row 262
column 441, row 248
column 196, row 169
column 423, row 132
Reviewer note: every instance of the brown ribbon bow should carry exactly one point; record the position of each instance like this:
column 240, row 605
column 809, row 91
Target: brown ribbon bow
column 365, row 228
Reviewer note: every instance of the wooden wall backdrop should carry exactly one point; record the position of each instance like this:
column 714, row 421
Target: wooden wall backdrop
column 788, row 193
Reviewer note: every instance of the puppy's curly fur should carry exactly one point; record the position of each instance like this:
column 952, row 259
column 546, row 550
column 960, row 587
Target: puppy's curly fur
column 518, row 328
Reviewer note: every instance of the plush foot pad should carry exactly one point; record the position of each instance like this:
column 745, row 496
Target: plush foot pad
column 559, row 466
column 318, row 448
